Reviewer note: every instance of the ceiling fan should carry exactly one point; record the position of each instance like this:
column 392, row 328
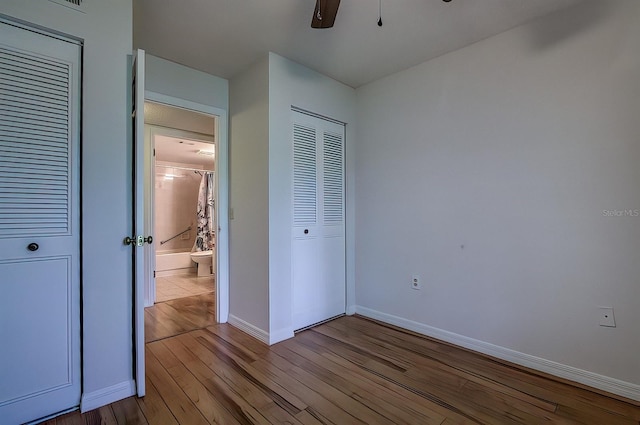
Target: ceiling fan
column 324, row 14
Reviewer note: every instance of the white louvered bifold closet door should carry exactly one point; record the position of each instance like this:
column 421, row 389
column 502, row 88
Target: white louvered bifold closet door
column 39, row 224
column 318, row 246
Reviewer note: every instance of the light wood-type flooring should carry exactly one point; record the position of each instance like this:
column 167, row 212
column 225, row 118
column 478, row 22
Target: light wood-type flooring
column 347, row 371
column 178, row 316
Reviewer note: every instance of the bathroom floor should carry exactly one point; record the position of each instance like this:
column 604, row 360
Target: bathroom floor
column 172, row 287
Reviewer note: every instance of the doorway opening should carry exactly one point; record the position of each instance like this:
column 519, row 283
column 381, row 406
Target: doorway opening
column 181, row 264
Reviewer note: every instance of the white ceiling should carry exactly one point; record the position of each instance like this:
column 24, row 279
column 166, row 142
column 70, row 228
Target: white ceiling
column 224, row 37
column 182, row 151
column 184, row 133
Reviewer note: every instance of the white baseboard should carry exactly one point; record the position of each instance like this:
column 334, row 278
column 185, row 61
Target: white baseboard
column 280, row 335
column 248, row 328
column 351, row 310
column 104, row 396
column 259, row 334
column 594, row 380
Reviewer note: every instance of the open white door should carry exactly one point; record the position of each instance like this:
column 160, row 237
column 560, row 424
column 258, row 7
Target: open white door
column 138, row 240
column 149, row 220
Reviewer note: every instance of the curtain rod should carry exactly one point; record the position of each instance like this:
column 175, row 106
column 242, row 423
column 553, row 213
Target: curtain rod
column 184, row 168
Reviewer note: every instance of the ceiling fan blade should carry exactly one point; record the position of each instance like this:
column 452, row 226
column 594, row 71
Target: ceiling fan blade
column 324, row 14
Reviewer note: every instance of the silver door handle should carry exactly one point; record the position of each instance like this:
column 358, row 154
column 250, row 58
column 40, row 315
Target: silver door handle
column 138, row 240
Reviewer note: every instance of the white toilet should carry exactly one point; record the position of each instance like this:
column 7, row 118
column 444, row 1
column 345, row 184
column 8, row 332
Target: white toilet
column 204, row 259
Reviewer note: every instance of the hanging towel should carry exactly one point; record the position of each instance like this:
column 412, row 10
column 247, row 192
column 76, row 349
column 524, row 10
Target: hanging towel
column 204, row 217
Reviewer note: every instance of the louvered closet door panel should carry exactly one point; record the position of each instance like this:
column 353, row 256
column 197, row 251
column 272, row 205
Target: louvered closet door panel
column 34, row 149
column 304, row 175
column 333, row 179
column 332, row 241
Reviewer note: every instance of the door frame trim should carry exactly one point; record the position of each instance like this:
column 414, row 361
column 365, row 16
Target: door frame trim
column 222, row 184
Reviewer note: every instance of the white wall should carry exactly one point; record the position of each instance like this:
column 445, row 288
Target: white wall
column 175, row 80
column 106, row 29
column 249, row 199
column 291, row 84
column 487, row 170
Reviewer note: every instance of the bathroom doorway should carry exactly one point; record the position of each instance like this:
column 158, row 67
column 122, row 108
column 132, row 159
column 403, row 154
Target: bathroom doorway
column 180, row 292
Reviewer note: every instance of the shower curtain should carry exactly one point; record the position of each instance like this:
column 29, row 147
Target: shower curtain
column 205, row 236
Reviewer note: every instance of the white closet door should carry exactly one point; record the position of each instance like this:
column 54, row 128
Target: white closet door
column 318, row 246
column 39, row 225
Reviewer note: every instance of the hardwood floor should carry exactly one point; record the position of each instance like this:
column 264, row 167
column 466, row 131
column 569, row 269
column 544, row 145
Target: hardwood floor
column 348, row 371
column 179, row 316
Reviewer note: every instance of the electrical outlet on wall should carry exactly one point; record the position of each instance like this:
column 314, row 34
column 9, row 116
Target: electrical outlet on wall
column 415, row 282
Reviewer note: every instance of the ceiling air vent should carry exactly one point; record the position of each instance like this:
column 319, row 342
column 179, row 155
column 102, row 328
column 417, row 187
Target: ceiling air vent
column 72, row 4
